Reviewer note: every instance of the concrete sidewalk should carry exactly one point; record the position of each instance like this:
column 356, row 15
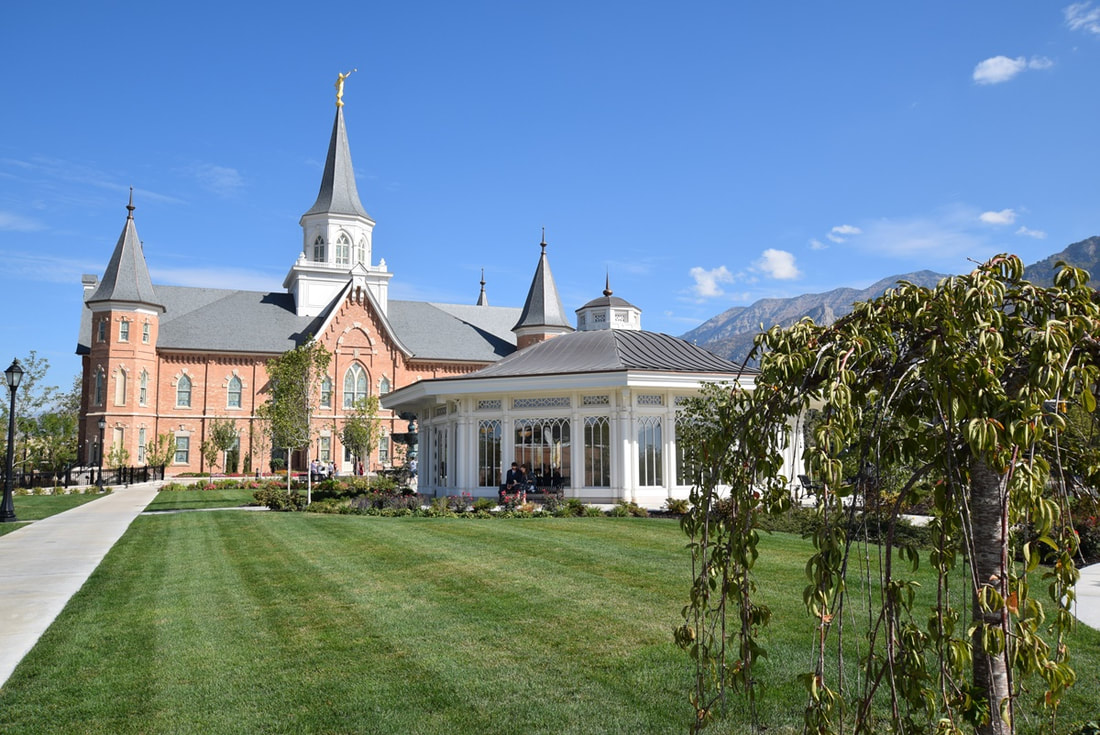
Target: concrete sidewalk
column 44, row 563
column 1087, row 608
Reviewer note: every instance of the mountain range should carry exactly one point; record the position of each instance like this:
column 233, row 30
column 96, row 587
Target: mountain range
column 730, row 334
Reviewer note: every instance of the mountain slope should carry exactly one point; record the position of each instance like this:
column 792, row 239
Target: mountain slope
column 730, row 334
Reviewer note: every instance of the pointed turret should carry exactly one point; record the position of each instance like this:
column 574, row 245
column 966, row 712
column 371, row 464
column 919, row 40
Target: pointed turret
column 482, row 299
column 126, row 280
column 543, row 316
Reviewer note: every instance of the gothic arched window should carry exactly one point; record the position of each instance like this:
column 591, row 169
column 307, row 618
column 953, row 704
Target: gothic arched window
column 355, row 385
column 343, row 249
column 361, row 252
column 100, row 387
column 183, row 392
column 233, row 393
column 319, row 249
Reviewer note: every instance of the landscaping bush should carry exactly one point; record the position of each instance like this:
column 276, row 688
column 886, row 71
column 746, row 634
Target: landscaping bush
column 624, row 509
column 483, row 505
column 679, row 506
column 275, row 497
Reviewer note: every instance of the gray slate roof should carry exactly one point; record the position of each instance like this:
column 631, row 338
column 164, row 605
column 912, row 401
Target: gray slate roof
column 608, row 350
column 225, row 320
column 127, row 277
column 338, row 193
column 543, row 306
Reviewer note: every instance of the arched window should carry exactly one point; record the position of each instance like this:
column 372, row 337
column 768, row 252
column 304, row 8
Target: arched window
column 120, row 388
column 343, row 249
column 100, row 387
column 143, row 388
column 355, row 385
column 326, row 392
column 233, row 393
column 384, row 386
column 319, row 249
column 183, row 392
column 361, row 252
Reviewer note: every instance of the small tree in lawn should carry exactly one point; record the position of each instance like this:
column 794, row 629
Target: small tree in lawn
column 222, row 435
column 363, row 429
column 118, row 456
column 160, row 451
column 294, row 379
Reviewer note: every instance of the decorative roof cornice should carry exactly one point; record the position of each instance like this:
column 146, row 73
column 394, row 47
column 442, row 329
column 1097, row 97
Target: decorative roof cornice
column 126, row 279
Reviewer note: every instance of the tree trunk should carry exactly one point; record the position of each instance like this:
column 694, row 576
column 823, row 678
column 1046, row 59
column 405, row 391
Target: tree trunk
column 988, row 509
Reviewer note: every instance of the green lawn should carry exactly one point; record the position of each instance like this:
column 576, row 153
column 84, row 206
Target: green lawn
column 275, row 622
column 37, row 507
column 200, row 499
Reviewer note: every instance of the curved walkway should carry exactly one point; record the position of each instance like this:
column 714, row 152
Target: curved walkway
column 44, row 563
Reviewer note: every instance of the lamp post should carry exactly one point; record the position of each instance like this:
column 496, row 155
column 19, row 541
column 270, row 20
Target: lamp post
column 99, row 477
column 13, row 375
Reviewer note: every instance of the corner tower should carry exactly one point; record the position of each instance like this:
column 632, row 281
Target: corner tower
column 337, row 233
column 121, row 365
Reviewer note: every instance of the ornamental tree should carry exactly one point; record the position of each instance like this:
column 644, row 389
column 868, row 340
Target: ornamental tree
column 294, row 379
column 363, row 429
column 943, row 398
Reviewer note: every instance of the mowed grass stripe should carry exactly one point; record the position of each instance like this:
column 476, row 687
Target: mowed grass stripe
column 266, row 622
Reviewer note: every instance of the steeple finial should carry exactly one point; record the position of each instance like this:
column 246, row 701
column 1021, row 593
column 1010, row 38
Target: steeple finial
column 340, row 79
column 607, row 284
column 482, row 299
column 543, row 240
column 130, row 205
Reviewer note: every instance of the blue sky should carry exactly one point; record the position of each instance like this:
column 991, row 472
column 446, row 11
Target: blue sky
column 704, row 154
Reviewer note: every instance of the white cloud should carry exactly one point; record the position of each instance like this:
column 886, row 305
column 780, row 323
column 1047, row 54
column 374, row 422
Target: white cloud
column 999, row 69
column 816, row 244
column 1083, row 17
column 1004, row 217
column 16, row 223
column 840, row 233
column 218, row 179
column 1028, row 232
column 217, row 277
column 943, row 236
column 706, row 282
column 778, row 264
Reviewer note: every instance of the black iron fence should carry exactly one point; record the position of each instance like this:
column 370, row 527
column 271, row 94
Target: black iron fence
column 87, row 476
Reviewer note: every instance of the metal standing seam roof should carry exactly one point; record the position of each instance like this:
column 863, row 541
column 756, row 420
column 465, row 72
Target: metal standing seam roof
column 606, row 351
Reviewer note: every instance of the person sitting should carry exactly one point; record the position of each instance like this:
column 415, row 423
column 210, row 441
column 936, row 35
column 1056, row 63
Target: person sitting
column 509, row 486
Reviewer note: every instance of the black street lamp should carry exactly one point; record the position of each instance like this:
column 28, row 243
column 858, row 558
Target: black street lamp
column 13, row 374
column 99, row 478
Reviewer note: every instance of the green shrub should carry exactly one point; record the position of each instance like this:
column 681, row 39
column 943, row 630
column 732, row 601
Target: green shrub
column 624, row 509
column 677, row 505
column 484, row 504
column 277, row 498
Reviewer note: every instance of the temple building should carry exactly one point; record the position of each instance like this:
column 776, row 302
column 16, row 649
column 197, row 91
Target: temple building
column 591, row 409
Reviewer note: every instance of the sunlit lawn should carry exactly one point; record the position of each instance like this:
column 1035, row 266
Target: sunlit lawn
column 37, row 507
column 200, row 499
column 236, row 622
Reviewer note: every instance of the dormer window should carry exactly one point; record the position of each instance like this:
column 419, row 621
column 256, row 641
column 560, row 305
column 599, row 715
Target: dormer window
column 319, row 249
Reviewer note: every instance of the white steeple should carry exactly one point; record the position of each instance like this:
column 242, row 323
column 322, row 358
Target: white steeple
column 336, row 235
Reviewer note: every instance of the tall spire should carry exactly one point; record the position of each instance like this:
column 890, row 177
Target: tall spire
column 338, row 193
column 482, row 299
column 127, row 276
column 543, row 316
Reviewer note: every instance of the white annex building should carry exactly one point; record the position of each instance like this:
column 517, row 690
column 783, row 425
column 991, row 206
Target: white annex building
column 592, row 410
